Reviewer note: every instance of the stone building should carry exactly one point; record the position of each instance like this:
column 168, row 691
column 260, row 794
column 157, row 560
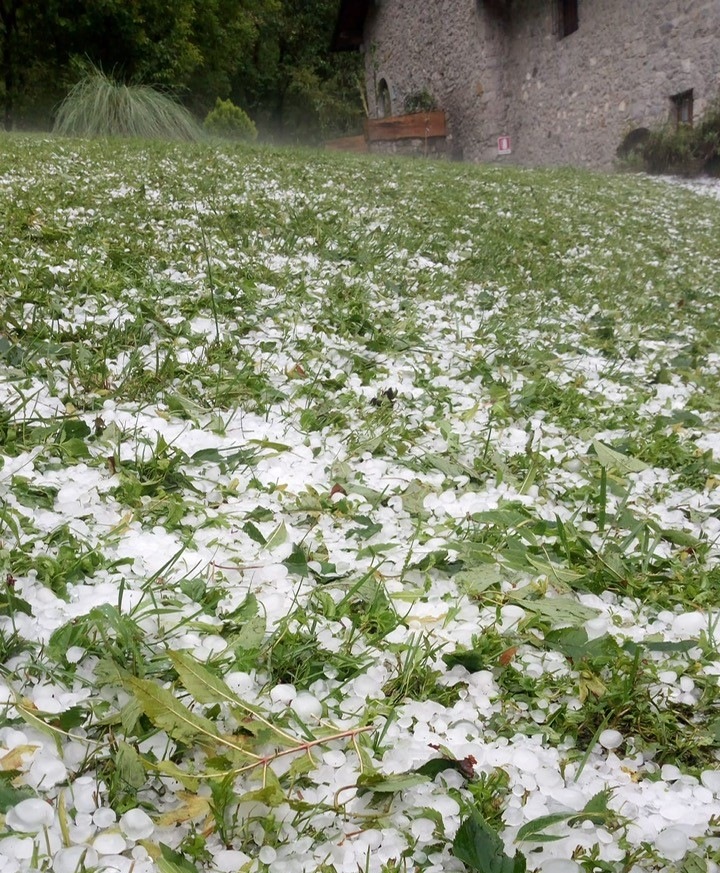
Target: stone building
column 565, row 80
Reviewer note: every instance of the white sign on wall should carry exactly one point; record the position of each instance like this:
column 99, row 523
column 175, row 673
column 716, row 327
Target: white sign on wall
column 504, row 145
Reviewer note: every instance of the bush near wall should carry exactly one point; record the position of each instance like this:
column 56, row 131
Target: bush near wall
column 683, row 149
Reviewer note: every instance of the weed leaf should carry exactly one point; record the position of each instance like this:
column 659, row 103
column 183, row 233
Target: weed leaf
column 166, row 712
column 559, row 610
column 390, row 784
column 171, row 861
column 479, row 847
column 203, row 684
column 532, row 831
column 616, row 460
column 129, row 766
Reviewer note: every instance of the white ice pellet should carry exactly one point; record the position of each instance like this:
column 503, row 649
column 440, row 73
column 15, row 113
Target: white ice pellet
column 136, row 825
column 17, row 848
column 711, row 780
column 109, row 843
column 610, row 739
column 74, row 858
column 669, row 773
column 267, row 854
column 45, row 771
column 559, row 865
column 104, row 817
column 673, row 810
column 30, row 816
column 230, row 860
column 672, row 843
column 689, row 625
column 306, row 706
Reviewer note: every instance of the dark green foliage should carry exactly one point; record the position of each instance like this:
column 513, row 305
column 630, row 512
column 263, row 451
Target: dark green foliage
column 686, row 150
column 271, row 56
column 229, row 121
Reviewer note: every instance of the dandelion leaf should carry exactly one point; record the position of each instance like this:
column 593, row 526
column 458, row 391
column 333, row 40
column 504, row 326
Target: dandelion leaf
column 480, row 848
column 166, row 712
column 129, row 766
column 616, row 460
column 171, row 861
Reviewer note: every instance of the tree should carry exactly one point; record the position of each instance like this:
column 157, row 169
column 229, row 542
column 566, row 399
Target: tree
column 293, row 81
column 271, row 56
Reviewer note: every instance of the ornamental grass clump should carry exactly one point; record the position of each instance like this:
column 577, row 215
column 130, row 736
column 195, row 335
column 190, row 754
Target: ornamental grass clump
column 98, row 106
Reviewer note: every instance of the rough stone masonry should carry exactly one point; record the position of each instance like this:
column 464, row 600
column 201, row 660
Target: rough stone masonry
column 566, row 80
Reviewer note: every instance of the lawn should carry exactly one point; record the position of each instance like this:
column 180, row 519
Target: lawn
column 356, row 516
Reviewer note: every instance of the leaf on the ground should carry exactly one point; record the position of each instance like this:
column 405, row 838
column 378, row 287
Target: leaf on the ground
column 555, row 572
column 207, row 688
column 413, row 498
column 129, row 766
column 379, row 784
column 10, row 796
column 464, row 766
column 202, row 683
column 15, row 758
column 680, row 538
column 171, row 861
column 473, row 660
column 574, row 643
column 246, row 610
column 171, row 769
column 166, row 712
column 296, row 563
column 595, row 810
column 559, row 610
column 446, row 465
column 372, row 496
column 250, row 636
column 271, row 794
column 75, row 448
column 277, row 537
column 192, row 807
column 270, row 444
column 478, row 579
column 694, row 864
column 478, row 846
column 616, row 460
column 503, row 518
column 534, row 831
column 254, row 533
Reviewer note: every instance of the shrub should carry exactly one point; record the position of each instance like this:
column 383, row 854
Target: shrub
column 683, row 149
column 98, row 106
column 229, row 121
column 419, row 101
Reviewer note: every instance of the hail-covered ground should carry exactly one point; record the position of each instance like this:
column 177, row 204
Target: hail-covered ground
column 355, row 515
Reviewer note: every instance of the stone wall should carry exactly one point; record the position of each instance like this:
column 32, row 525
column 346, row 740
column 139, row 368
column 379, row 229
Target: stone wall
column 562, row 100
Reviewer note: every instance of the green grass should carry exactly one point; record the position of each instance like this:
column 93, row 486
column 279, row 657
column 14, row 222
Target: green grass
column 430, row 443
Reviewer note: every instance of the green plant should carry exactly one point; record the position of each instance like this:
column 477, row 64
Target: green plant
column 419, row 101
column 99, row 106
column 229, row 121
column 685, row 149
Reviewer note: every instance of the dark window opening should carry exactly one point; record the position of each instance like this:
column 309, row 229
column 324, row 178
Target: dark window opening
column 567, row 17
column 384, row 105
column 681, row 108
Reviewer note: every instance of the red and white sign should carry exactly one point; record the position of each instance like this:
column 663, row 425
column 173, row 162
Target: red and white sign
column 504, row 145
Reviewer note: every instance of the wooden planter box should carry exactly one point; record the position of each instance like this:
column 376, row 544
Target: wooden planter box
column 420, row 125
column 348, row 144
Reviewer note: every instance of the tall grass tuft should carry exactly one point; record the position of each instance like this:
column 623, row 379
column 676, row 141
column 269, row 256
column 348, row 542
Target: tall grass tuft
column 98, row 106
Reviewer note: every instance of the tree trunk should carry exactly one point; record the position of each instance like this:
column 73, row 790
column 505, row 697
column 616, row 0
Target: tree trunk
column 8, row 17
